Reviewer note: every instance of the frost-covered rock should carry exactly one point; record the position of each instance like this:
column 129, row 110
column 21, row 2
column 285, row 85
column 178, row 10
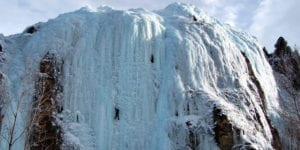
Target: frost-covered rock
column 286, row 66
column 176, row 81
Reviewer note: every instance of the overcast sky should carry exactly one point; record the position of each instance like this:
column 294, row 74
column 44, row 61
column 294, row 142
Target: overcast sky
column 265, row 19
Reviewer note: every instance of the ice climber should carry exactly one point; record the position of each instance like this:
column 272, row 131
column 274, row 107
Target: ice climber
column 117, row 112
column 194, row 18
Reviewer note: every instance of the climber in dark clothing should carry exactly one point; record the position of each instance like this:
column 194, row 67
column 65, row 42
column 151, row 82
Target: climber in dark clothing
column 194, row 18
column 117, row 112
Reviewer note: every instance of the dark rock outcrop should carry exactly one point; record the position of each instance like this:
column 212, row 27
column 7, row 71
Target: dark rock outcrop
column 31, row 29
column 34, row 28
column 44, row 132
column 223, row 130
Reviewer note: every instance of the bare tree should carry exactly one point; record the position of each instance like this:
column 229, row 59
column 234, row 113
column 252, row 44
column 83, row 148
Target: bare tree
column 11, row 111
column 9, row 133
column 12, row 137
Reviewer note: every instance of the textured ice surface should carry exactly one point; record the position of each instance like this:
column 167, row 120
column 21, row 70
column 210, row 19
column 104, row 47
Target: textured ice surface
column 162, row 69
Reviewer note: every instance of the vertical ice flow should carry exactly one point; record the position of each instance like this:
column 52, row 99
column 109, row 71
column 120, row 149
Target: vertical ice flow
column 163, row 70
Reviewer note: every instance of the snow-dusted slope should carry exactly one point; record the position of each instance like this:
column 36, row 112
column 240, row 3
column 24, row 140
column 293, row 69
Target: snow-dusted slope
column 176, row 76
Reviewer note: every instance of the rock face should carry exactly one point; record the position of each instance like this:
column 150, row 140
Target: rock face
column 168, row 79
column 224, row 134
column 286, row 65
column 44, row 131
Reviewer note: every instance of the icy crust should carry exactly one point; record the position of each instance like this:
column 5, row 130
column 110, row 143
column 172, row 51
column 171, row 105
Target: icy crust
column 164, row 70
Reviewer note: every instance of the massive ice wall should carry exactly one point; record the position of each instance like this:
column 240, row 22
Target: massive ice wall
column 178, row 78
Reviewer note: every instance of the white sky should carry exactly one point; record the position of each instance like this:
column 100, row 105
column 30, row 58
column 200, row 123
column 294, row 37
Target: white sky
column 265, row 19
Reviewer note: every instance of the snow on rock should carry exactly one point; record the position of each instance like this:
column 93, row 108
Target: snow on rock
column 286, row 65
column 165, row 72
